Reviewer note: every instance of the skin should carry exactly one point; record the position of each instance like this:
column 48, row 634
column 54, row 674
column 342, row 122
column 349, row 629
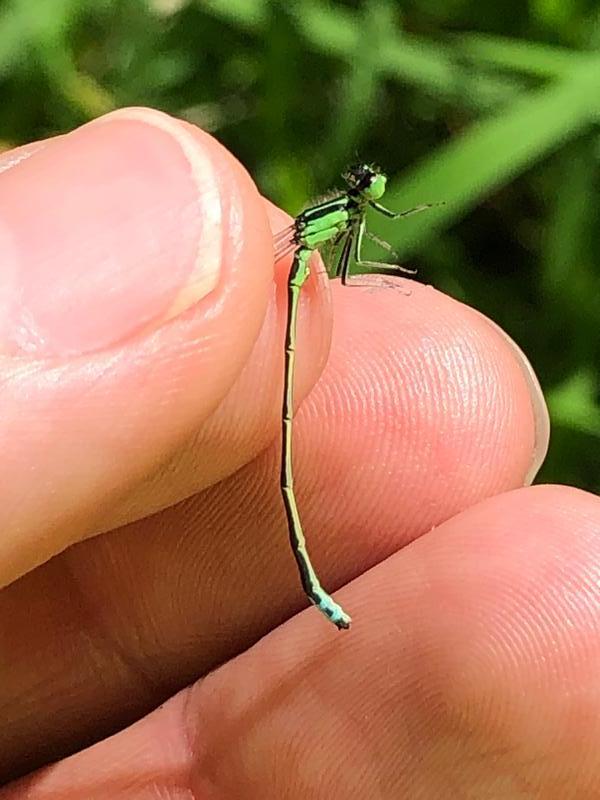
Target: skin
column 149, row 592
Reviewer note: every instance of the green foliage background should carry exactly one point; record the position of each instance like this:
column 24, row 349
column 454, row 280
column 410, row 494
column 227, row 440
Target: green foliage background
column 489, row 105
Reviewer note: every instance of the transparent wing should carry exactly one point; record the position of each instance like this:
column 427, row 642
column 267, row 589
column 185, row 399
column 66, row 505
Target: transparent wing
column 283, row 242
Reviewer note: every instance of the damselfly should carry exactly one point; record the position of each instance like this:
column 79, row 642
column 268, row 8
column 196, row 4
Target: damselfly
column 341, row 222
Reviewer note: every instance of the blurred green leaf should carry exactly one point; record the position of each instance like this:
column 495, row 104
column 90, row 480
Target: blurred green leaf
column 555, row 13
column 537, row 59
column 426, row 65
column 250, row 14
column 573, row 405
column 491, row 153
column 358, row 90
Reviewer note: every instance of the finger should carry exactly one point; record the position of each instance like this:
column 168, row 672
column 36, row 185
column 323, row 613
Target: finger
column 472, row 664
column 425, row 415
column 137, row 273
column 249, row 416
column 428, row 411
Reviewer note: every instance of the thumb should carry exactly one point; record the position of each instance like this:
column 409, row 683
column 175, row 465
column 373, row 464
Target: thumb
column 127, row 311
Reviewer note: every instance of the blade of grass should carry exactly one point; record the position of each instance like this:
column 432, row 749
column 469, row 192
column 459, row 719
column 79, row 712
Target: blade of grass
column 540, row 60
column 428, row 66
column 572, row 216
column 357, row 95
column 251, row 15
column 572, row 403
column 490, row 154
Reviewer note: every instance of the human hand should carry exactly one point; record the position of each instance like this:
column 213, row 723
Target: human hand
column 144, row 543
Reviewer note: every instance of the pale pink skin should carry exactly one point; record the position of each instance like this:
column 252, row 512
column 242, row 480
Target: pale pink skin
column 471, row 669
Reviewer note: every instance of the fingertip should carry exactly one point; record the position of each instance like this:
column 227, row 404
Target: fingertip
column 137, row 218
column 539, row 408
column 144, row 289
column 235, row 227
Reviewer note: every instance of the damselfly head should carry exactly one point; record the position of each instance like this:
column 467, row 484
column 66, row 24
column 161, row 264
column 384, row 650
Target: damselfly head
column 367, row 179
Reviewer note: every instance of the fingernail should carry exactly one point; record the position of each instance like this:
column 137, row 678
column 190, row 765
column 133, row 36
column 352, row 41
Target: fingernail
column 538, row 404
column 106, row 232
